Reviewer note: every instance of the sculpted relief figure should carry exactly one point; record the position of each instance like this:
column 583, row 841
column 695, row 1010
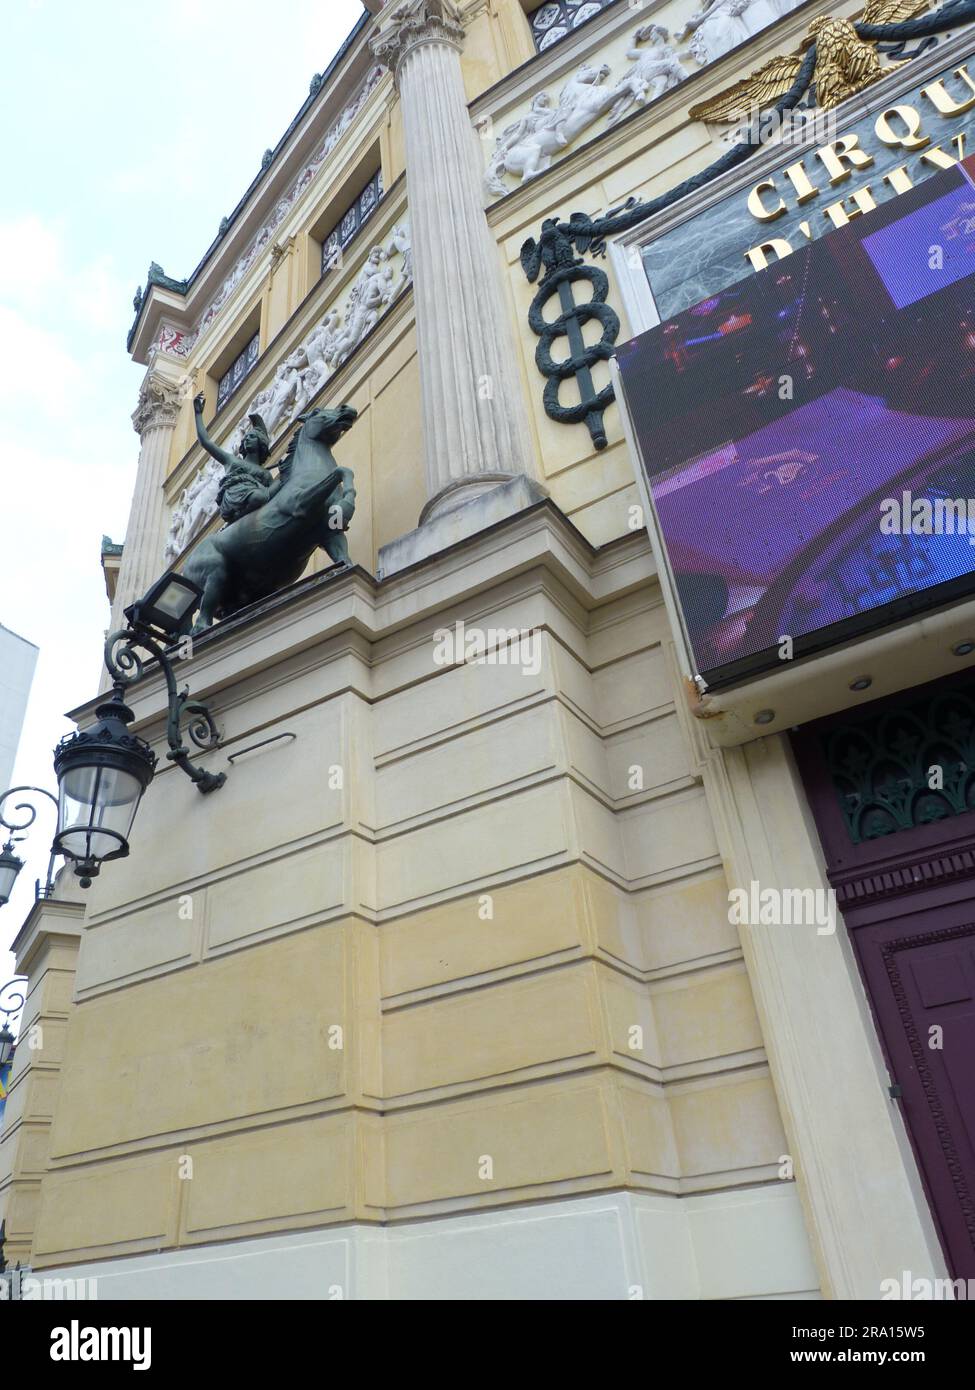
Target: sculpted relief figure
column 283, row 392
column 723, row 24
column 515, row 137
column 320, row 349
column 302, row 375
column 716, row 29
column 197, row 504
column 528, row 146
column 654, row 70
column 370, row 294
column 400, row 241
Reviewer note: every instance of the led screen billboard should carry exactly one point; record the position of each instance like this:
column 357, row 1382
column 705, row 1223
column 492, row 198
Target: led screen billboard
column 808, row 435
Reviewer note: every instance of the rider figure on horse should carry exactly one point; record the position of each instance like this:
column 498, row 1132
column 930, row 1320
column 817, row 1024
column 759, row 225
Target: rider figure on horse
column 246, row 483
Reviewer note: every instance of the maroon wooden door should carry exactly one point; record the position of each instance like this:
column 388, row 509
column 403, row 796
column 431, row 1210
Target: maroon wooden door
column 902, row 860
column 920, row 976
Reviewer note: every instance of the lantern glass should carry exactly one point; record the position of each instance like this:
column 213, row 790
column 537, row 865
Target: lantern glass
column 167, row 605
column 96, row 809
column 10, row 867
column 102, row 773
column 175, row 601
column 6, row 1044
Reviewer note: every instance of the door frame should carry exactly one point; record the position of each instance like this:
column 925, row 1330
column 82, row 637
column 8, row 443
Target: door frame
column 888, row 882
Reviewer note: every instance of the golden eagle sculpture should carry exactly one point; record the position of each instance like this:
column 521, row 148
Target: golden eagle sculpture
column 845, row 64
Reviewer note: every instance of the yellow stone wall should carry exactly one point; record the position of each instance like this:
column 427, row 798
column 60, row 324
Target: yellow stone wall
column 485, row 908
column 46, row 951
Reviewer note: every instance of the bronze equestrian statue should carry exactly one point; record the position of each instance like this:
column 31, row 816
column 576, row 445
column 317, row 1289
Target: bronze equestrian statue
column 278, row 525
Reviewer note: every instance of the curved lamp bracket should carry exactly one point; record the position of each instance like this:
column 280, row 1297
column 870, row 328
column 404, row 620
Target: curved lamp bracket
column 22, row 822
column 127, row 666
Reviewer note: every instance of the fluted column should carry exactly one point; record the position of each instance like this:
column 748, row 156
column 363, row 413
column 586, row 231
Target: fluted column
column 475, row 426
column 142, row 555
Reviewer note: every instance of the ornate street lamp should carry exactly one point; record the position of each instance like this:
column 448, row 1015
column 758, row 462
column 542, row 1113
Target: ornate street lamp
column 10, row 1004
column 10, row 867
column 10, row 864
column 102, row 772
column 166, row 606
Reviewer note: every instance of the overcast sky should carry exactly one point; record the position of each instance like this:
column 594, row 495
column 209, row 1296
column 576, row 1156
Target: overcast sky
column 130, row 127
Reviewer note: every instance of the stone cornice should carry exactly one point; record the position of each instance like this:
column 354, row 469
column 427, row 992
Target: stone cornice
column 414, row 23
column 321, row 607
column 50, row 919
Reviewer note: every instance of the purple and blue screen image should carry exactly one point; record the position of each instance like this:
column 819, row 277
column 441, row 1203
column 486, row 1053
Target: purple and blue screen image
column 906, row 255
column 776, row 418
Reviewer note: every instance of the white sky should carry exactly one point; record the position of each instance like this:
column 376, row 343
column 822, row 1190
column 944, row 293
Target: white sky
column 130, row 127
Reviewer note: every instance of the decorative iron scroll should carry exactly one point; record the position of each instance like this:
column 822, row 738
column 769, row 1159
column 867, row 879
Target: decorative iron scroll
column 559, row 240
column 908, row 767
column 127, row 667
column 13, row 996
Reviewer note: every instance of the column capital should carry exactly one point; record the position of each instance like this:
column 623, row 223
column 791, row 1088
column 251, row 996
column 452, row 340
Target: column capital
column 414, row 23
column 159, row 404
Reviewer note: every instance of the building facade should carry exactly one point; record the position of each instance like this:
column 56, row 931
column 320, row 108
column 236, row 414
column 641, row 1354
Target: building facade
column 444, row 994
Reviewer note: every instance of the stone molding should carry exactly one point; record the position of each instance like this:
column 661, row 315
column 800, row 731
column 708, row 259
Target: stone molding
column 639, row 1246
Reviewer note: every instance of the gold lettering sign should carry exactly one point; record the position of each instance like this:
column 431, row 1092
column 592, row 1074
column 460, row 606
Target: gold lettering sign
column 947, row 105
column 842, row 156
column 909, row 139
column 898, row 127
column 758, row 209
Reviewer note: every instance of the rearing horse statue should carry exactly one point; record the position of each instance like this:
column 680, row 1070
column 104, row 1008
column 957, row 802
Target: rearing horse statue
column 309, row 506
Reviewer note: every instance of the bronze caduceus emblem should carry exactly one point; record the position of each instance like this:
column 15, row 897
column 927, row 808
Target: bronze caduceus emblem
column 563, row 270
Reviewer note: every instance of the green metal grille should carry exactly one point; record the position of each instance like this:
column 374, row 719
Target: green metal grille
column 908, row 766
